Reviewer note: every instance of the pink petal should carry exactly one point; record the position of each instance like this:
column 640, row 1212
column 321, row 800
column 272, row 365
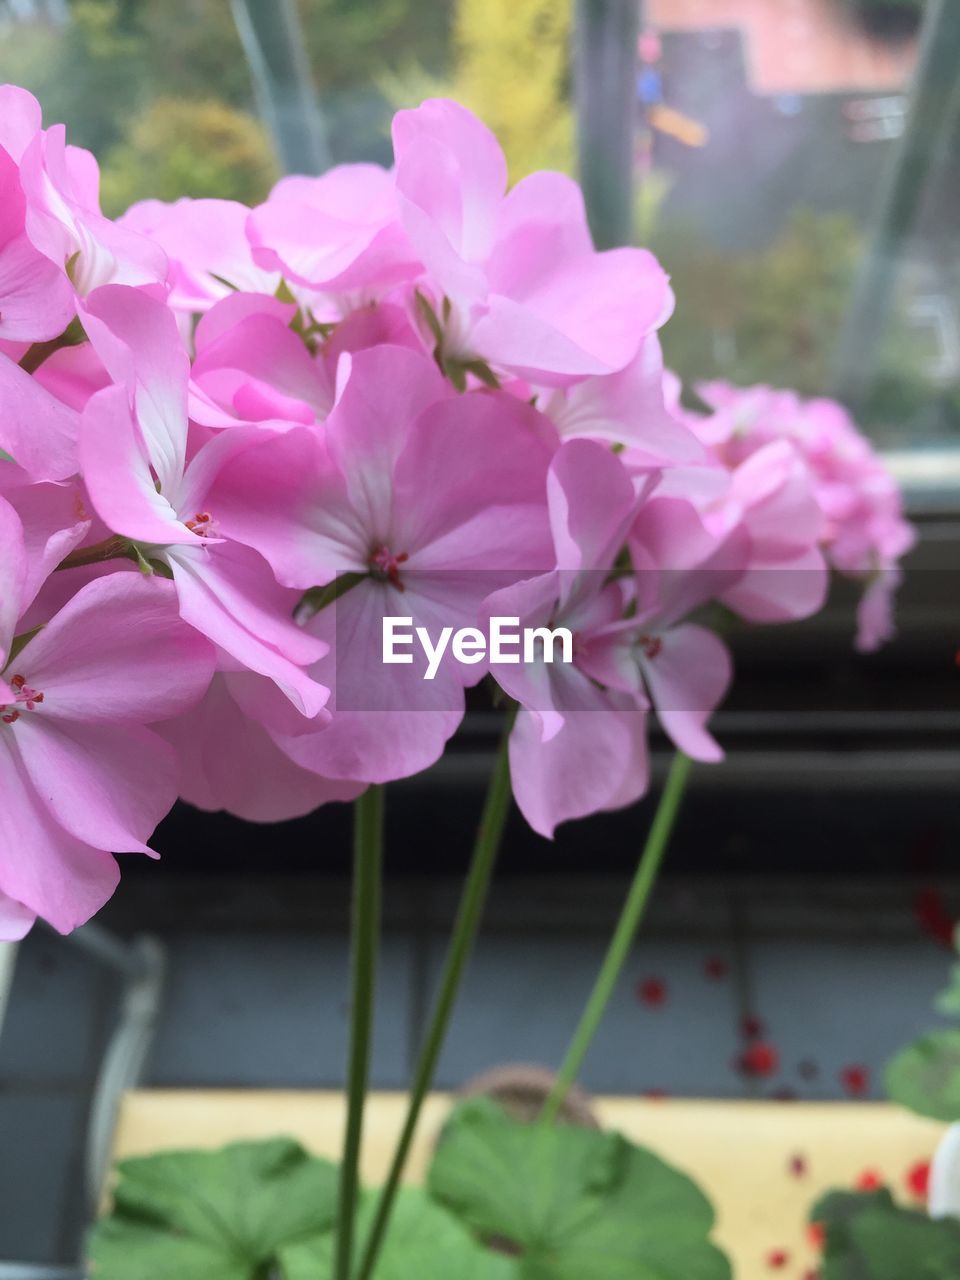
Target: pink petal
column 20, row 119
column 387, row 722
column 204, row 240
column 54, row 522
column 16, row 920
column 108, row 655
column 451, row 167
column 136, row 337
column 229, row 594
column 13, row 569
column 117, row 471
column 106, row 784
column 228, row 761
column 43, row 867
column 591, row 764
column 36, row 430
column 36, row 298
column 687, row 679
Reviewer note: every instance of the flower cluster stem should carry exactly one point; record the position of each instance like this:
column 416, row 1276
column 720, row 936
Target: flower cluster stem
column 466, row 926
column 364, row 940
column 622, row 941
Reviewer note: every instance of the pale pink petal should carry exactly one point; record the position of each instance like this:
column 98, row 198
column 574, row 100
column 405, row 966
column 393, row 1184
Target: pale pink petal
column 228, row 761
column 387, row 721
column 118, row 653
column 451, row 167
column 13, row 571
column 688, row 674
column 106, row 784
column 36, row 300
column 20, row 119
column 36, row 430
column 136, row 337
column 230, row 596
column 16, row 920
column 581, row 769
column 54, row 522
column 42, row 866
column 118, row 475
column 339, row 232
column 206, row 243
column 589, row 317
column 781, row 592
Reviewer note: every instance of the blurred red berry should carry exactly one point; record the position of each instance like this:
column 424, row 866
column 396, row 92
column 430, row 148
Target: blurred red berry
column 855, row 1079
column 869, row 1180
column 777, row 1259
column 652, row 992
column 798, row 1166
column 759, row 1059
column 751, row 1027
column 918, row 1179
column 715, row 967
column 817, row 1234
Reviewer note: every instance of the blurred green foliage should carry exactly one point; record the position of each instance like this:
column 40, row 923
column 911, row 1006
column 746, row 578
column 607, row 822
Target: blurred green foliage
column 772, row 315
column 512, row 60
column 187, row 147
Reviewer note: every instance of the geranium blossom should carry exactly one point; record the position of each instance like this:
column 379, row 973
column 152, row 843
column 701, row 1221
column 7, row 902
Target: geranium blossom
column 864, row 533
column 579, row 743
column 233, row 442
column 430, row 499
column 81, row 775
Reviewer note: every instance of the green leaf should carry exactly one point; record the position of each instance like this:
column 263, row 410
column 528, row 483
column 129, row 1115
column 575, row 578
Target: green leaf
column 212, row 1215
column 900, row 1244
column 925, row 1076
column 577, row 1204
column 868, row 1237
column 128, row 1248
column 422, row 1240
column 948, row 1002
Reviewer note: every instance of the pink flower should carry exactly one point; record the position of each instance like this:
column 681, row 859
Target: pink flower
column 63, row 221
column 133, row 449
column 864, row 533
column 338, row 234
column 36, row 300
column 513, row 277
column 81, row 777
column 38, row 432
column 251, row 366
column 431, row 499
column 206, row 245
column 764, row 512
column 228, row 759
column 626, row 408
column 579, row 744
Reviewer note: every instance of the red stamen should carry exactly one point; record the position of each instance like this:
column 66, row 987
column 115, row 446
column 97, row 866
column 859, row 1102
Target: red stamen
column 385, row 566
column 651, row 645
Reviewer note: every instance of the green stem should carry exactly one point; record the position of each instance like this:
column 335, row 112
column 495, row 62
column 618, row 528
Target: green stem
column 364, row 938
column 36, row 354
column 623, row 937
column 112, row 548
column 469, row 912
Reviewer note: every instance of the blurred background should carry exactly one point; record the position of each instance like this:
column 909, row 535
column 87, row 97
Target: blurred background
column 796, row 166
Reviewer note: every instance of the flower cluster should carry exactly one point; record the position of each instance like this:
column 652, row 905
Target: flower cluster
column 864, row 530
column 232, row 441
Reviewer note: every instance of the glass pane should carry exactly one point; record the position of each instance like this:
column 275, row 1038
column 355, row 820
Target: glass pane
column 774, row 144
